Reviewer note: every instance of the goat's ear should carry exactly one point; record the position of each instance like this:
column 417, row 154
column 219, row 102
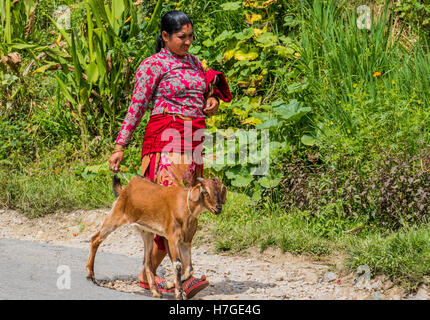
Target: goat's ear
column 196, row 192
column 223, row 193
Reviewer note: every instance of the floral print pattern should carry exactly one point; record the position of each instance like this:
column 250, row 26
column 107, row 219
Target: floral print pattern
column 176, row 169
column 170, row 82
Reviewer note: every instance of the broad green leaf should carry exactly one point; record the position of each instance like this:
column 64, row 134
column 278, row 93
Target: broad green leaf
column 92, row 72
column 241, row 181
column 293, row 112
column 228, row 55
column 246, row 34
column 208, row 43
column 269, row 182
column 256, row 196
column 242, row 55
column 285, row 51
column 231, row 6
column 267, row 39
column 9, row 79
column 22, row 46
column 267, row 124
column 308, row 140
column 117, row 11
column 225, row 35
column 289, row 21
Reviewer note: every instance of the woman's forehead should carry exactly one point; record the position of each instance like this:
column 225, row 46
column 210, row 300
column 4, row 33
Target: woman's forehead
column 186, row 28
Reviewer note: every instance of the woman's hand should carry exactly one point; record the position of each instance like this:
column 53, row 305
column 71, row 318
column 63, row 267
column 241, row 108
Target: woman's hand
column 211, row 106
column 116, row 158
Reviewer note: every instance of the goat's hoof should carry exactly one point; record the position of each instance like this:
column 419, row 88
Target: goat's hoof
column 179, row 295
column 91, row 276
column 156, row 294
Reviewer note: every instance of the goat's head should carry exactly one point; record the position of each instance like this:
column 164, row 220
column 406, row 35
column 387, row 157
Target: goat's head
column 211, row 193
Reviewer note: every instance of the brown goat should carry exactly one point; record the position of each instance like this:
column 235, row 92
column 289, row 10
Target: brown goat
column 171, row 212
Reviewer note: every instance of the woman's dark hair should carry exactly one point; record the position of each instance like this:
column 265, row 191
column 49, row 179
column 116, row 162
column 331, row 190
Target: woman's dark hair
column 171, row 22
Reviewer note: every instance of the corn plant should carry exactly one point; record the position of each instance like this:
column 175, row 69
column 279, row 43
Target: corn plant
column 16, row 19
column 95, row 63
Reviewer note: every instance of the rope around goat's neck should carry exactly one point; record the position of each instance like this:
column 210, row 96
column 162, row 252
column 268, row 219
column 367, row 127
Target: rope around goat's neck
column 188, row 202
column 123, row 175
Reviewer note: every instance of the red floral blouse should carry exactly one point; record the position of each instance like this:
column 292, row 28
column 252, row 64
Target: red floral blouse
column 166, row 80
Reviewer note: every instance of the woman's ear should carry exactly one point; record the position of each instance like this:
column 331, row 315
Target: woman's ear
column 165, row 36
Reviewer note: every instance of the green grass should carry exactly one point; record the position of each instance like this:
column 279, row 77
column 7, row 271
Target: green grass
column 404, row 256
column 43, row 194
column 240, row 226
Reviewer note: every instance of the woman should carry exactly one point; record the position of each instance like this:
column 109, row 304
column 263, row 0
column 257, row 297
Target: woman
column 174, row 81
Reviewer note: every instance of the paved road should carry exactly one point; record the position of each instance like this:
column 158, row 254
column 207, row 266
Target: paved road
column 30, row 270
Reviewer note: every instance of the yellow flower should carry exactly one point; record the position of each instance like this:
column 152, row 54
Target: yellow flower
column 393, row 81
column 331, row 122
column 296, row 54
column 128, row 19
column 419, row 101
column 349, row 131
column 354, row 85
column 205, row 64
column 146, row 18
column 376, row 74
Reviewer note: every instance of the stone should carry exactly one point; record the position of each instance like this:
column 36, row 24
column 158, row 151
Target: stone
column 421, row 294
column 377, row 296
column 329, row 276
column 388, row 285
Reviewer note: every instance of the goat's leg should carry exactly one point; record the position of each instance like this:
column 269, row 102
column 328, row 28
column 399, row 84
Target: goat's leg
column 156, row 259
column 177, row 266
column 110, row 224
column 187, row 266
column 148, row 239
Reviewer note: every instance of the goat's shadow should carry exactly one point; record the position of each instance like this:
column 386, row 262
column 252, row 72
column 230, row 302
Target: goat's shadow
column 225, row 287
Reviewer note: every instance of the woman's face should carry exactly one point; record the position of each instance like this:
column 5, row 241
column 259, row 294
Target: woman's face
column 179, row 42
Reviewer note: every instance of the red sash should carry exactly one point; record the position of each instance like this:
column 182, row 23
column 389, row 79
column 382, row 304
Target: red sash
column 180, row 139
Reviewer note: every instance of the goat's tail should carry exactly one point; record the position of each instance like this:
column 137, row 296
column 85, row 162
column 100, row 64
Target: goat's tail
column 116, row 185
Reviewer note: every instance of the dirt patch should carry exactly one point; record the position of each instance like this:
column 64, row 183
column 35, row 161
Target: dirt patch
column 249, row 275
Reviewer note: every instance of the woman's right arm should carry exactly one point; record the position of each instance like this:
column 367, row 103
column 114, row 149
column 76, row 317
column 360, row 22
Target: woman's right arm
column 147, row 77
